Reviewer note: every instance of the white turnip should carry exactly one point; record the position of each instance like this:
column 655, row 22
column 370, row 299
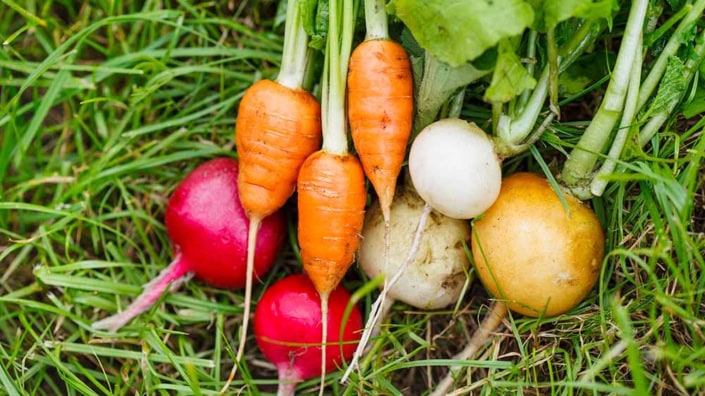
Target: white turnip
column 435, row 276
column 208, row 229
column 455, row 168
column 427, row 266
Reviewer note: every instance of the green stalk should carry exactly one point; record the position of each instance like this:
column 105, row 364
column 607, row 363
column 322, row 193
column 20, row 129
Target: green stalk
column 513, row 132
column 334, row 77
column 657, row 120
column 438, row 83
column 530, row 67
column 295, row 53
column 652, row 79
column 310, row 77
column 656, row 33
column 626, row 126
column 582, row 159
column 375, row 20
column 552, row 51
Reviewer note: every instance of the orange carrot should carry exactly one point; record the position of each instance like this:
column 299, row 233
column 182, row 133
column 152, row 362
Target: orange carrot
column 278, row 127
column 331, row 203
column 331, row 200
column 331, row 183
column 380, row 110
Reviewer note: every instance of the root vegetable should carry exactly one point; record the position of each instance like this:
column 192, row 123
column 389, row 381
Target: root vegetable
column 527, row 238
column 331, row 182
column 287, row 327
column 427, row 264
column 436, row 274
column 455, row 167
column 278, row 127
column 208, row 229
column 537, row 257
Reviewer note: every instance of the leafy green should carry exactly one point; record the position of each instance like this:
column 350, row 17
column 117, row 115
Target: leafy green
column 458, row 31
column 510, row 78
column 549, row 13
column 440, row 81
column 671, row 87
column 696, row 105
column 587, row 70
column 314, row 14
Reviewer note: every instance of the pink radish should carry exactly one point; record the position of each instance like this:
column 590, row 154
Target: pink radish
column 287, row 327
column 208, row 229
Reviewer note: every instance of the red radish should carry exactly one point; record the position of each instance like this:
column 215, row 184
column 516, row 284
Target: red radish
column 287, row 327
column 208, row 229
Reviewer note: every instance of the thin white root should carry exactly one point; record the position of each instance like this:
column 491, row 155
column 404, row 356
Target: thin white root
column 170, row 277
column 255, row 223
column 380, row 305
column 324, row 340
column 492, row 321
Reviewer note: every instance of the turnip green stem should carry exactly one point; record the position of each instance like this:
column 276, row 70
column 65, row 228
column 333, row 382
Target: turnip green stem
column 375, row 20
column 295, row 53
column 513, row 131
column 584, row 37
column 455, row 104
column 626, row 125
column 340, row 34
column 654, row 31
column 581, row 161
column 652, row 79
column 438, row 83
column 170, row 277
column 552, row 50
column 657, row 120
column 492, row 321
column 531, row 65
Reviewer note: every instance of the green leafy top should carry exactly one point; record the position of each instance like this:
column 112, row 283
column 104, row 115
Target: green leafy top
column 458, row 31
column 314, row 14
column 509, row 78
column 549, row 13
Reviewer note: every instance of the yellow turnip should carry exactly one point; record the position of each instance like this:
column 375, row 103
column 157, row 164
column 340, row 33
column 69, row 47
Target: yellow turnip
column 535, row 255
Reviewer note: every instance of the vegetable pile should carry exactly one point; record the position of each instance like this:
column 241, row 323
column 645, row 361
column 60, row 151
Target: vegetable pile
column 440, row 107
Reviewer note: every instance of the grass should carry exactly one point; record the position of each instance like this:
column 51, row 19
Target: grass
column 106, row 105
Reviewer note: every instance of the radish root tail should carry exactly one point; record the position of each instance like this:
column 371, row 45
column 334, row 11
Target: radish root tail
column 492, row 321
column 380, row 308
column 170, row 277
column 287, row 383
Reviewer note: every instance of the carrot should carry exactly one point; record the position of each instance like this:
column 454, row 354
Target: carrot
column 380, row 104
column 278, row 127
column 331, row 203
column 331, row 200
column 331, row 183
column 380, row 110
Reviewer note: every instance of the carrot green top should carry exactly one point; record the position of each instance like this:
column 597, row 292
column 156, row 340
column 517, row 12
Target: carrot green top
column 335, row 70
